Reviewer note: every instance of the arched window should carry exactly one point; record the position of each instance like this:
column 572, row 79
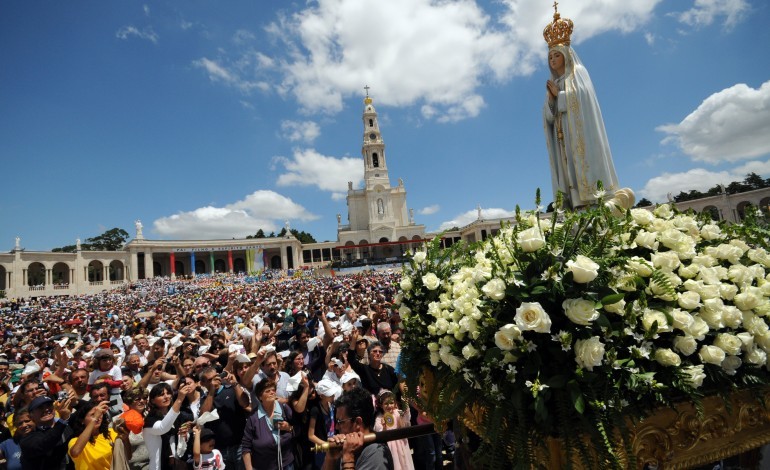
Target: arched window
column 371, row 122
column 375, row 160
column 380, row 206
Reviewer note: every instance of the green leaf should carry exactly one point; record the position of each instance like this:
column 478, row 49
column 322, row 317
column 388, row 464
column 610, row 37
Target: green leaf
column 612, row 299
column 578, row 401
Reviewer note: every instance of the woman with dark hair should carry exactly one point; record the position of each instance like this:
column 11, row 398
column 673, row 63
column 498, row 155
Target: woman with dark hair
column 159, row 423
column 268, row 436
column 295, row 362
column 9, row 448
column 92, row 448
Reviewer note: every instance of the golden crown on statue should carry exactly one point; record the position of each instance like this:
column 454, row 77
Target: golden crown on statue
column 558, row 32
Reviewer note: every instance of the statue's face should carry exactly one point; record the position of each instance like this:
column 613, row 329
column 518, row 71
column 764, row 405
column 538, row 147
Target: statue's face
column 556, row 61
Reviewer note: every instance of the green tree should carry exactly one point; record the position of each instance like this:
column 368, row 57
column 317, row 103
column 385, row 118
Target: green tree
column 754, row 181
column 111, row 240
column 643, row 202
column 282, row 233
column 260, row 234
column 303, row 236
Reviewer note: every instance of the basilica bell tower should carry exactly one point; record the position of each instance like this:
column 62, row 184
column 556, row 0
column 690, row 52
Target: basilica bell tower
column 377, row 214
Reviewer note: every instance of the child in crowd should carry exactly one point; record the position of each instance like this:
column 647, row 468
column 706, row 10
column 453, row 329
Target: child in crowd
column 390, row 417
column 205, row 456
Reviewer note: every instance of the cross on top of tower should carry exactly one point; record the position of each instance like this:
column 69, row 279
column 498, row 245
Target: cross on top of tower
column 366, row 87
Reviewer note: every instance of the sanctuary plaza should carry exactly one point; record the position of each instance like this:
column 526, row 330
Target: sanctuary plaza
column 380, row 228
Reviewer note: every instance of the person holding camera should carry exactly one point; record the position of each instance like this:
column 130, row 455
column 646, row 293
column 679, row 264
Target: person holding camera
column 106, row 371
column 231, row 402
column 268, row 436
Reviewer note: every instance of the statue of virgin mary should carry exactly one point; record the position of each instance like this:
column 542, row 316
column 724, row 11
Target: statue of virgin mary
column 577, row 144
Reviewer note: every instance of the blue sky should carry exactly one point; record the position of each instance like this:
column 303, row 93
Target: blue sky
column 211, row 120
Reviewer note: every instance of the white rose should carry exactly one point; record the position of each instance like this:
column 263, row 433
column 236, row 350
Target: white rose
column 729, row 343
column 740, row 274
column 698, row 329
column 682, row 319
column 740, row 244
column 649, row 317
column 494, row 289
column 589, row 352
column 642, row 216
column 675, row 240
column 685, row 344
column 763, row 341
column 530, row 239
column 430, row 281
column 664, row 211
column 580, row 311
column 530, row 316
column 406, row 284
column 731, row 364
column 419, row 257
column 688, row 271
column 712, row 317
column 617, row 307
column 583, row 269
column 667, row 357
column 749, row 298
column 688, row 300
column 404, row 311
column 731, row 316
column 754, row 324
column 756, row 356
column 708, row 292
column 696, row 375
column 727, row 252
column 666, row 261
column 711, row 355
column 709, row 276
column 759, row 255
column 711, row 232
column 506, row 336
column 728, row 291
column 640, row 266
column 646, row 240
column 747, row 339
column 469, row 351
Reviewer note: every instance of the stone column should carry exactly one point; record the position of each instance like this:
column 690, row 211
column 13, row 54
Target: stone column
column 211, row 262
column 230, row 261
column 284, row 258
column 106, row 273
column 192, row 263
column 172, row 261
column 134, row 272
column 148, row 274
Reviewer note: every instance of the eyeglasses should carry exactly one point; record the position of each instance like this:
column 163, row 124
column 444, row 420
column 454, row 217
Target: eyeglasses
column 376, row 351
column 340, row 421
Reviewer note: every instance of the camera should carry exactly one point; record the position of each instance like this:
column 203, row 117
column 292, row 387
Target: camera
column 61, row 396
column 113, row 402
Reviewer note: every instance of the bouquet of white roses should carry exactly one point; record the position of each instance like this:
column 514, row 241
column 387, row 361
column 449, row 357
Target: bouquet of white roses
column 566, row 326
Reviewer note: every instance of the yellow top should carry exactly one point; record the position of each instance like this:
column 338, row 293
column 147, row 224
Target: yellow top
column 96, row 455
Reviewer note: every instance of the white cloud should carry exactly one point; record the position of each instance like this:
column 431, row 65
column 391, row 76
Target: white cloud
column 429, row 210
column 310, row 168
column 433, row 54
column 704, row 12
column 147, row 33
column 649, row 38
column 146, row 9
column 230, row 76
column 306, row 131
column 262, row 209
column 467, row 217
column 729, row 125
column 700, row 179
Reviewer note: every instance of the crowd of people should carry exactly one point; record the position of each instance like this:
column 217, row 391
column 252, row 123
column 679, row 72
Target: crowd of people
column 214, row 372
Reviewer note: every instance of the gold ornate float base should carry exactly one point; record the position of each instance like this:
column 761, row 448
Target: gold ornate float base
column 678, row 437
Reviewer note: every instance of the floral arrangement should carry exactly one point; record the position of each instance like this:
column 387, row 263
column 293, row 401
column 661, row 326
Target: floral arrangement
column 569, row 325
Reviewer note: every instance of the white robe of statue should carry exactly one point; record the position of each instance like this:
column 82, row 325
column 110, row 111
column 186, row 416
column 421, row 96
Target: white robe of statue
column 582, row 158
